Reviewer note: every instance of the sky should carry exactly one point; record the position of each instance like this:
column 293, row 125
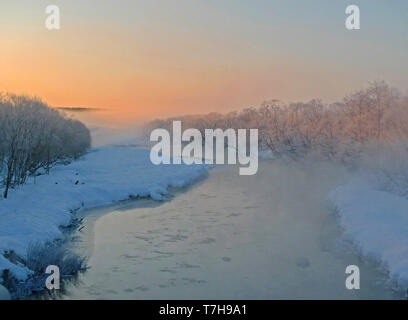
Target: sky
column 137, row 60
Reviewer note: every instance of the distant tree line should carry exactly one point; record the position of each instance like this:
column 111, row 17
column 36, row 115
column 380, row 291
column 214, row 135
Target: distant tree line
column 369, row 123
column 34, row 136
column 375, row 115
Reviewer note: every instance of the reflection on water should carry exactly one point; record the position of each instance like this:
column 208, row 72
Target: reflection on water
column 268, row 236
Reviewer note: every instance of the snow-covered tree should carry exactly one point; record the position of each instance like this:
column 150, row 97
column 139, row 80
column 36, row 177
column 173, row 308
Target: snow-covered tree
column 33, row 136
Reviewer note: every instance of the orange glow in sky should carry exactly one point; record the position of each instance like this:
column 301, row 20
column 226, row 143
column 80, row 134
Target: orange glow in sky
column 157, row 62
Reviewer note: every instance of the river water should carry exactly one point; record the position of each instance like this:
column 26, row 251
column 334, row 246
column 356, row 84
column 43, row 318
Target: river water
column 268, row 236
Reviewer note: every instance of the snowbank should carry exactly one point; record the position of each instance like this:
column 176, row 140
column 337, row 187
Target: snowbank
column 35, row 211
column 378, row 223
column 4, row 294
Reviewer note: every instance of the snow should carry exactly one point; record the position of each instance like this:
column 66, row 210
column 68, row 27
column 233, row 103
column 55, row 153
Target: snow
column 377, row 221
column 4, row 294
column 265, row 154
column 35, row 211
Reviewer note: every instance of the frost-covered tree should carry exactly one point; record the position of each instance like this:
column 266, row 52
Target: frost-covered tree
column 33, row 136
column 342, row 131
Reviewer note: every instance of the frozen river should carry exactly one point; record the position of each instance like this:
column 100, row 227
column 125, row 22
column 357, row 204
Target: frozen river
column 268, row 236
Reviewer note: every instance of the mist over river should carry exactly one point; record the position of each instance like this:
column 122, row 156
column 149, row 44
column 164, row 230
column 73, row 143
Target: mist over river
column 269, row 236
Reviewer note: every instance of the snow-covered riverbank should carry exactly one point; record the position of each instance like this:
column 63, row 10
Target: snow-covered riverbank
column 377, row 222
column 35, row 211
